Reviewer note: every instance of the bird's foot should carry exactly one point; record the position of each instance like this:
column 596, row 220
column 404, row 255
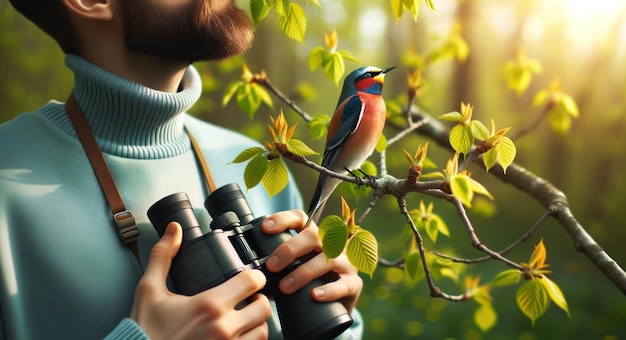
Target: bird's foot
column 359, row 180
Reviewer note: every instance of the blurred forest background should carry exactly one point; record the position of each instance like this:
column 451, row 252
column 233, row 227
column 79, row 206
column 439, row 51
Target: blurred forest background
column 582, row 43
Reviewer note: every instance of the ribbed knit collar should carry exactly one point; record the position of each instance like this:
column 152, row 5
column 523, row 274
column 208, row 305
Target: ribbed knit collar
column 129, row 119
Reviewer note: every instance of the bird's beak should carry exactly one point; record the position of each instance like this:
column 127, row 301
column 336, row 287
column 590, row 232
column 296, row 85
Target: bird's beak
column 387, row 69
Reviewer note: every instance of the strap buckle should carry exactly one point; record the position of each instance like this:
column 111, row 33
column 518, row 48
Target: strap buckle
column 126, row 227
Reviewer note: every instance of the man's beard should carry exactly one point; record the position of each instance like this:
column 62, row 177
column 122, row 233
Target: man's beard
column 200, row 30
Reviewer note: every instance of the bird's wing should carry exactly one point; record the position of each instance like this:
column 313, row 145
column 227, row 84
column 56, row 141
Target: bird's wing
column 341, row 129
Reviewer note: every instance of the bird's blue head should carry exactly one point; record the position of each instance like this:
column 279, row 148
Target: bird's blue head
column 368, row 79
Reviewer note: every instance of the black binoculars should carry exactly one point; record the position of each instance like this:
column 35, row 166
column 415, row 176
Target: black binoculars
column 236, row 243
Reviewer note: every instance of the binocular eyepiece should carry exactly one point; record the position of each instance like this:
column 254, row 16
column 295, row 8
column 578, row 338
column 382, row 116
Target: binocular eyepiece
column 236, row 243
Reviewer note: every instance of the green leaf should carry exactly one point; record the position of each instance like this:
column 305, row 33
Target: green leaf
column 560, row 120
column 334, row 234
column 462, row 190
column 319, row 126
column 247, row 154
column 259, row 9
column 485, row 317
column 263, row 95
column 276, row 177
column 479, row 130
column 461, row 138
column 431, row 229
column 433, row 175
column 247, row 101
column 490, row 158
column 348, row 56
column 333, row 221
column 397, row 7
column 362, row 251
column 478, row 188
column 282, row 6
column 518, row 76
column 293, row 22
column 369, row 168
column 569, row 105
column 452, row 116
column 441, row 225
column 541, row 97
column 431, row 5
column 506, row 151
column 298, row 148
column 316, row 57
column 506, row 278
column 413, row 6
column 255, row 170
column 413, row 267
column 381, row 145
column 315, row 2
column 334, row 67
column 231, row 89
column 532, row 298
column 555, row 293
column 460, row 48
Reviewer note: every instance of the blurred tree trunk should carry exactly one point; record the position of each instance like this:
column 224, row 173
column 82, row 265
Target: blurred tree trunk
column 463, row 76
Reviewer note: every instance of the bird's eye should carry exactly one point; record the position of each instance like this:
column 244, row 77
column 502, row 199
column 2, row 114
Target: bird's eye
column 368, row 75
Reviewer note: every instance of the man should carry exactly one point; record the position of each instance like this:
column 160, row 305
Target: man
column 64, row 271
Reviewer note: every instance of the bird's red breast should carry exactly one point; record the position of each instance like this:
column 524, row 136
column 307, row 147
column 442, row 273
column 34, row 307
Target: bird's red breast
column 363, row 140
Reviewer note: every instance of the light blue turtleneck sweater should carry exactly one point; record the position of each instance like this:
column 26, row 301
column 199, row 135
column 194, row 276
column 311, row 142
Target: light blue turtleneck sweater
column 64, row 274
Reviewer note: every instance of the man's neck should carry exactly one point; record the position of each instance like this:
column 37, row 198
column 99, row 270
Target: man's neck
column 152, row 72
column 128, row 118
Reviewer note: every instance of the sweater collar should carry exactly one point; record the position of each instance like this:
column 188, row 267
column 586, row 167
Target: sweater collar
column 132, row 120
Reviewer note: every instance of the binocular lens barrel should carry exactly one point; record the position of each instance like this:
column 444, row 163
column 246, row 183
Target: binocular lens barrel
column 206, row 260
column 175, row 207
column 229, row 198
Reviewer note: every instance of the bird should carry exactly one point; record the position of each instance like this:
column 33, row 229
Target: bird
column 353, row 132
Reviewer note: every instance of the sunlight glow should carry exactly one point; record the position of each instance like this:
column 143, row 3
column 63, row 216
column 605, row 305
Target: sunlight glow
column 372, row 27
column 585, row 10
column 585, row 26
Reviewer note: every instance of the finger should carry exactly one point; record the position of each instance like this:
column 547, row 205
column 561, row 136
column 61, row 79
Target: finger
column 347, row 289
column 281, row 221
column 162, row 254
column 297, row 246
column 255, row 315
column 260, row 332
column 236, row 289
column 310, row 270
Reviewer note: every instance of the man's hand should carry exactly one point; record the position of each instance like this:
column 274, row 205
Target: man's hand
column 347, row 289
column 207, row 315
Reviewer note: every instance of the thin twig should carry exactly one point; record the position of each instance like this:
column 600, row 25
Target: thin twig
column 551, row 198
column 435, row 291
column 265, row 81
column 525, row 130
column 410, row 128
column 504, row 251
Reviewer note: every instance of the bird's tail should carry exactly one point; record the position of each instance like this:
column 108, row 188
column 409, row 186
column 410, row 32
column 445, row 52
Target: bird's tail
column 315, row 212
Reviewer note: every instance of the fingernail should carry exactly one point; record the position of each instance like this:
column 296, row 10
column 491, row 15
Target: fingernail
column 170, row 231
column 287, row 283
column 269, row 224
column 272, row 262
column 318, row 292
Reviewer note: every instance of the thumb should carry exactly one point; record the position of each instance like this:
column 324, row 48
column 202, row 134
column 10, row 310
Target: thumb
column 163, row 252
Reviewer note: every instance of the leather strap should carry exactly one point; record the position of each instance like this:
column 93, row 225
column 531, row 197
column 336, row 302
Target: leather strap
column 123, row 219
column 208, row 178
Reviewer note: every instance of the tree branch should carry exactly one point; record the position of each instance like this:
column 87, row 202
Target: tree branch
column 435, row 291
column 517, row 242
column 536, row 187
column 550, row 197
